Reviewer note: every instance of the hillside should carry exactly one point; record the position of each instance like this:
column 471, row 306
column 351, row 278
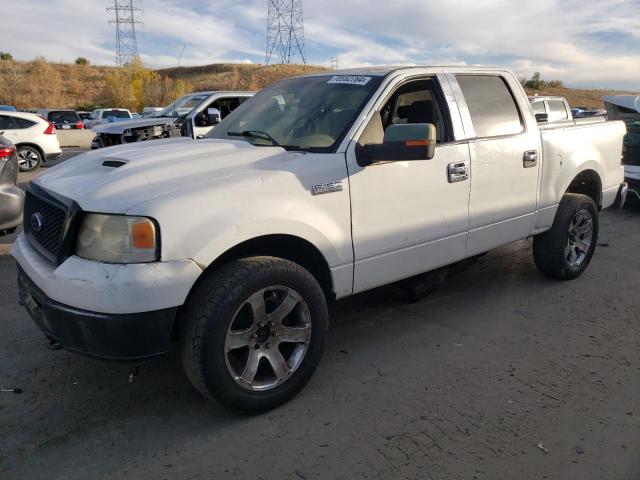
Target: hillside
column 578, row 97
column 40, row 84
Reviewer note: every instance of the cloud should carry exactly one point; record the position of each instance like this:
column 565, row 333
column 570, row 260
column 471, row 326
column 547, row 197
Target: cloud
column 582, row 42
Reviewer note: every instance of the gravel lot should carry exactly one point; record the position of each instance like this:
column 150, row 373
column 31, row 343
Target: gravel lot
column 499, row 374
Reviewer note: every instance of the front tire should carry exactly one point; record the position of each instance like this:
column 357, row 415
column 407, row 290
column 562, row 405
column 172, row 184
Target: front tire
column 29, row 158
column 564, row 251
column 253, row 333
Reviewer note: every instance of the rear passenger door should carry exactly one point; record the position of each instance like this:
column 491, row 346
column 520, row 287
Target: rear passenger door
column 504, row 151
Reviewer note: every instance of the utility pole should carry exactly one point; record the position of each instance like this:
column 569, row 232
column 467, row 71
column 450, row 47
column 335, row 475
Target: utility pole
column 123, row 15
column 285, row 31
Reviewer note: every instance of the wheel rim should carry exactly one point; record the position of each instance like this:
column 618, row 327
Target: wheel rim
column 27, row 159
column 268, row 338
column 580, row 238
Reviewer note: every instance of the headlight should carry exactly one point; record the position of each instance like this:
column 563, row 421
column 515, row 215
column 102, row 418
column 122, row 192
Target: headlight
column 117, row 239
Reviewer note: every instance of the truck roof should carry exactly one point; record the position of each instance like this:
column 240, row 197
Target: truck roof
column 547, row 97
column 383, row 71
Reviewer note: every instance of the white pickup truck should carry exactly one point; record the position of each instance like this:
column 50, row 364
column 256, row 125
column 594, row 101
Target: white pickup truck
column 100, row 116
column 320, row 187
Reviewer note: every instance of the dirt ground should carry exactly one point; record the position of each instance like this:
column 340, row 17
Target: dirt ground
column 500, row 374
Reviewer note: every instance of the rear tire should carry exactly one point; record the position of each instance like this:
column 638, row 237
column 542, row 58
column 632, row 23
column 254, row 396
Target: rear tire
column 29, row 158
column 564, row 251
column 253, row 333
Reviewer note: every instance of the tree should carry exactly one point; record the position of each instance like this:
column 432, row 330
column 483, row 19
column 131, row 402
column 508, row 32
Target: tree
column 82, row 61
column 6, row 56
column 134, row 86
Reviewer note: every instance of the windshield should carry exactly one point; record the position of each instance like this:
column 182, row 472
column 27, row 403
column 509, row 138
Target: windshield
column 182, row 106
column 307, row 113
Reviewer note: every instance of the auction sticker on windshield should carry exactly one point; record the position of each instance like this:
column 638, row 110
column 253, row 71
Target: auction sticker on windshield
column 350, row 79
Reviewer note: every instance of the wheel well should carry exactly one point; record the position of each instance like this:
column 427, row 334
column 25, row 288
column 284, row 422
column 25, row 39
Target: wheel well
column 32, row 145
column 588, row 183
column 288, row 247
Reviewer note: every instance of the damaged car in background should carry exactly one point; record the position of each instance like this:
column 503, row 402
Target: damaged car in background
column 193, row 115
column 627, row 109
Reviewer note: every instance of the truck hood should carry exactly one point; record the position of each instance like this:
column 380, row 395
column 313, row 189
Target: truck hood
column 114, row 179
column 120, row 127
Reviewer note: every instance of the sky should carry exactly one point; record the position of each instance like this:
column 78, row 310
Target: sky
column 585, row 43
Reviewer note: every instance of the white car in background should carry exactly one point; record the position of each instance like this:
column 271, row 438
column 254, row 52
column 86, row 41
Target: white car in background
column 107, row 115
column 34, row 137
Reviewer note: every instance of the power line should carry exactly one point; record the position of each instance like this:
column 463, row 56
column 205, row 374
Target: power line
column 125, row 21
column 285, row 31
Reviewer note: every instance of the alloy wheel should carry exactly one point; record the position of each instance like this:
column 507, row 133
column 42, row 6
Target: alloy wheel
column 27, row 159
column 268, row 338
column 580, row 238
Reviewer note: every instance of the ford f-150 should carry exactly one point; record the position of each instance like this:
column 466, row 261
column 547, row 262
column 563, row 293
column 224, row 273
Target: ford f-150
column 320, row 187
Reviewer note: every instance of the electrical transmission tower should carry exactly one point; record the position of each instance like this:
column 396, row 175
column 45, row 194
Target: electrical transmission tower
column 285, row 31
column 123, row 15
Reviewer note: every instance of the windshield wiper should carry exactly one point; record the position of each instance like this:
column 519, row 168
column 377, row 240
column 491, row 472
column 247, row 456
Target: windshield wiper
column 255, row 134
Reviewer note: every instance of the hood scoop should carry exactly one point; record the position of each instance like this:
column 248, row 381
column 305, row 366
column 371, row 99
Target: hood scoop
column 113, row 163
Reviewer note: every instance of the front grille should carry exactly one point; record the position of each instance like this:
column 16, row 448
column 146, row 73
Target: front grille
column 44, row 223
column 109, row 139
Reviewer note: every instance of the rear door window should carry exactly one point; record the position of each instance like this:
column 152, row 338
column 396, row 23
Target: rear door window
column 23, row 123
column 492, row 107
column 6, row 123
column 557, row 111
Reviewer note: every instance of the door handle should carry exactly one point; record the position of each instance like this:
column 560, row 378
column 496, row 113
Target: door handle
column 530, row 159
column 458, row 172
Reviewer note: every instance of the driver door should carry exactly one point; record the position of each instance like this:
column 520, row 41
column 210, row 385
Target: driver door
column 408, row 217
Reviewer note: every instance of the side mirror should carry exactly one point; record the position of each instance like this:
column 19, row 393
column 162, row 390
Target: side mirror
column 542, row 117
column 405, row 142
column 215, row 117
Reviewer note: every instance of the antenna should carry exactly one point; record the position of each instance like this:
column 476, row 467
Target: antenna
column 285, row 31
column 126, row 42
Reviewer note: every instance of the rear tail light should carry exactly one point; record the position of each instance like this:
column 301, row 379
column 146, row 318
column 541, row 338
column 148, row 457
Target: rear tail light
column 6, row 152
column 51, row 129
column 80, row 125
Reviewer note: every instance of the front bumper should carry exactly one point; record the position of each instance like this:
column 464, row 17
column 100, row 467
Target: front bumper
column 119, row 337
column 633, row 180
column 52, row 156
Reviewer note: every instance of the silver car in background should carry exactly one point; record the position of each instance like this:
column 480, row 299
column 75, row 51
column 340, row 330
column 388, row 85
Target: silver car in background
column 11, row 196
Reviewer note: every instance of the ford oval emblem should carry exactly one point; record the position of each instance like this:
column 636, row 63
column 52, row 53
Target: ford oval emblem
column 36, row 222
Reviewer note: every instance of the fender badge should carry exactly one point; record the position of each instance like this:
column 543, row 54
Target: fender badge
column 327, row 188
